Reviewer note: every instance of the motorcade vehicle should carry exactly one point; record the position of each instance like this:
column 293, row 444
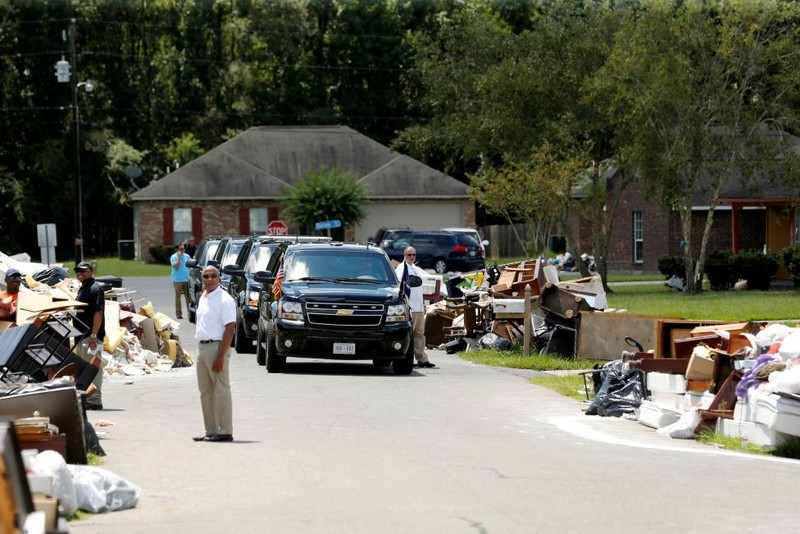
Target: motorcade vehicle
column 335, row 301
column 242, row 286
column 206, row 250
column 227, row 251
column 441, row 251
column 384, row 236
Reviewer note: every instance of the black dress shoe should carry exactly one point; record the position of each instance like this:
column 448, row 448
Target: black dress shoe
column 426, row 365
column 94, row 406
column 204, row 437
column 220, row 437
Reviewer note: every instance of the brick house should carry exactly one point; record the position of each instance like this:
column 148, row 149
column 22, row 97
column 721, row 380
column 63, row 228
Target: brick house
column 643, row 231
column 236, row 187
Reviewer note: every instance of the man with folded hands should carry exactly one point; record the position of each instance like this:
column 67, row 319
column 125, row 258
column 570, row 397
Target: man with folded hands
column 216, row 317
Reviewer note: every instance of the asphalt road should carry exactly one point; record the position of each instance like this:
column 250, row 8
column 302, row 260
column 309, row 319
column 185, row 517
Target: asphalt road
column 346, row 447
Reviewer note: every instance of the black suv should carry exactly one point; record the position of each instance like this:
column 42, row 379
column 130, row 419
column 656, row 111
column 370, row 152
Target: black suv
column 384, row 236
column 336, row 301
column 227, row 251
column 205, row 251
column 441, row 251
column 254, row 256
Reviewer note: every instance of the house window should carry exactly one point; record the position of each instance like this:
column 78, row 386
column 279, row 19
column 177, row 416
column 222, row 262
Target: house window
column 258, row 220
column 638, row 237
column 181, row 224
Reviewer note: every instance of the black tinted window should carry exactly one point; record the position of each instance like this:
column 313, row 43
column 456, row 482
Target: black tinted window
column 323, row 264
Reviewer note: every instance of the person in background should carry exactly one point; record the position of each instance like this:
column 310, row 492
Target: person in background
column 8, row 298
column 416, row 303
column 180, row 278
column 92, row 325
column 189, row 246
column 216, row 317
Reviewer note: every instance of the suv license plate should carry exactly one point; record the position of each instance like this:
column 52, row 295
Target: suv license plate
column 344, row 348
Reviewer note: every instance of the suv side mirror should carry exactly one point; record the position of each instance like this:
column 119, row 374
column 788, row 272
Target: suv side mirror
column 263, row 277
column 191, row 263
column 232, row 269
column 414, row 280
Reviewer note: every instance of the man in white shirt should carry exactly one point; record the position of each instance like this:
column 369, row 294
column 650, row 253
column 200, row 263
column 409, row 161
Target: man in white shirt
column 416, row 303
column 216, row 318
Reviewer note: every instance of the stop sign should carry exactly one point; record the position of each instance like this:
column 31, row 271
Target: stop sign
column 277, row 228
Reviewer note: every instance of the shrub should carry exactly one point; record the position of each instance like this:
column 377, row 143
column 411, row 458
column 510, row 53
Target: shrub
column 671, row 266
column 791, row 259
column 720, row 271
column 756, row 267
column 162, row 253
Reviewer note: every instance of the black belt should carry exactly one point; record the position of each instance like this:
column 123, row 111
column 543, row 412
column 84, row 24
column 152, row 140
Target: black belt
column 204, row 341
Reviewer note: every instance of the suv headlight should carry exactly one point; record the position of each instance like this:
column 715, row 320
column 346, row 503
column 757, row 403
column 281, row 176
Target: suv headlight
column 396, row 313
column 290, row 310
column 252, row 299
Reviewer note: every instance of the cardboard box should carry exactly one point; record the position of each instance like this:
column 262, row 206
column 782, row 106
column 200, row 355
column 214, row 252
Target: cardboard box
column 48, row 505
column 700, row 368
column 666, row 383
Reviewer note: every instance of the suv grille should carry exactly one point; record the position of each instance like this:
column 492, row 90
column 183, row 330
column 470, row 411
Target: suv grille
column 334, row 314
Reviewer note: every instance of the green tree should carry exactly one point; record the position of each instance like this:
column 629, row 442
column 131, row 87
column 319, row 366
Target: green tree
column 495, row 92
column 326, row 194
column 184, row 149
column 701, row 94
column 536, row 192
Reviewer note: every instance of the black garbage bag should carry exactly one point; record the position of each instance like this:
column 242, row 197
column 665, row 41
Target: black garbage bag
column 51, row 276
column 621, row 392
column 624, row 400
column 493, row 341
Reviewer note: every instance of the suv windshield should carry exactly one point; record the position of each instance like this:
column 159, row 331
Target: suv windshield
column 332, row 265
column 258, row 259
column 233, row 251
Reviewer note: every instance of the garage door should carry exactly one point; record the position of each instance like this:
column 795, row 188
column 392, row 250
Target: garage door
column 416, row 215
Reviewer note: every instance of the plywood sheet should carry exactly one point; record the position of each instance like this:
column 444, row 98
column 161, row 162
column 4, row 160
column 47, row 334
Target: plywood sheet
column 601, row 336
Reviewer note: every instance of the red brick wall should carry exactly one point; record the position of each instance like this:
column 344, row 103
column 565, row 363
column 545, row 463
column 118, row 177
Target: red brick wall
column 218, row 218
column 662, row 231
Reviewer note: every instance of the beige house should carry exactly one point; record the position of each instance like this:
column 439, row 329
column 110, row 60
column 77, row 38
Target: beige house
column 236, row 187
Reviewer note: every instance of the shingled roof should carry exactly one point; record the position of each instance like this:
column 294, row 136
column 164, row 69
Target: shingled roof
column 262, row 162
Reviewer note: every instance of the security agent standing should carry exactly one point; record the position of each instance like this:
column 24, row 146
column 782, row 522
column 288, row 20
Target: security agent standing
column 216, row 317
column 92, row 326
column 180, row 278
column 416, row 303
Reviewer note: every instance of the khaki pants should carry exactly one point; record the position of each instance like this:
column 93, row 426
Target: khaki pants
column 215, row 390
column 181, row 290
column 418, row 322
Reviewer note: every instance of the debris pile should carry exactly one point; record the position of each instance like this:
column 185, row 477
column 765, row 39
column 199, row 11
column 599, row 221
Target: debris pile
column 491, row 304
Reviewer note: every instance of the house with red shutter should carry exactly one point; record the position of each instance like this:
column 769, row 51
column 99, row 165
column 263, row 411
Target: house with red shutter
column 236, row 188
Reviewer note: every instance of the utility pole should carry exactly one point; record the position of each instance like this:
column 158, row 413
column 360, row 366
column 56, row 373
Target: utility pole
column 76, row 156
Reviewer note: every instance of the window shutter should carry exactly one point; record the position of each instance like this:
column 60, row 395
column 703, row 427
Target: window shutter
column 273, row 214
column 168, row 234
column 244, row 221
column 197, row 224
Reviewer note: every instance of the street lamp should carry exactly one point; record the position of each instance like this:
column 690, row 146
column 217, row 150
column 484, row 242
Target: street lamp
column 67, row 72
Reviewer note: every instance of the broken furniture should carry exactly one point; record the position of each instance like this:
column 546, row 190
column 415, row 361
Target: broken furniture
column 58, row 400
column 38, row 350
column 16, row 503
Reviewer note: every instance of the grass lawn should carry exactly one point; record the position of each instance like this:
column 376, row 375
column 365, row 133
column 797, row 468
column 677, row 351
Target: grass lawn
column 656, row 299
column 125, row 268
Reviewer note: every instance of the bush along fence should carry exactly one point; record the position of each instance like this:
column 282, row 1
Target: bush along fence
column 723, row 268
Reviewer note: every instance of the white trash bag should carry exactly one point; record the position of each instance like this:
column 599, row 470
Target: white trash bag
column 99, row 490
column 63, row 486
